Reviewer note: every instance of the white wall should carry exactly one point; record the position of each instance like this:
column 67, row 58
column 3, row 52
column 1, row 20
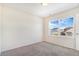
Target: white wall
column 20, row 28
column 0, row 26
column 63, row 41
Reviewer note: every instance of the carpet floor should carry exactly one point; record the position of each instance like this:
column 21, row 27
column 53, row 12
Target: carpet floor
column 41, row 49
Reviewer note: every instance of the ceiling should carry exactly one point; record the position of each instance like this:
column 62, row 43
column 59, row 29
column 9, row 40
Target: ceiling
column 42, row 11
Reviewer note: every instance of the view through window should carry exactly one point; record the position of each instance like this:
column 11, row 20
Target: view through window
column 63, row 27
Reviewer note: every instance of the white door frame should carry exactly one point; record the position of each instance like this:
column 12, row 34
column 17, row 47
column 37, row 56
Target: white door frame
column 77, row 32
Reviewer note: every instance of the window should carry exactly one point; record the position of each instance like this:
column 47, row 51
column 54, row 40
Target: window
column 61, row 27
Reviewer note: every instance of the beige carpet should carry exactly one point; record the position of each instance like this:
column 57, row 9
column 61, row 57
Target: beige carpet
column 41, row 49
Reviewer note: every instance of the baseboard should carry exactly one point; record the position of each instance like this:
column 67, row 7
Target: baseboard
column 60, row 46
column 21, row 46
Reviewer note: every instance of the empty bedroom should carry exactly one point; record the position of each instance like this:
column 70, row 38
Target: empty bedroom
column 39, row 29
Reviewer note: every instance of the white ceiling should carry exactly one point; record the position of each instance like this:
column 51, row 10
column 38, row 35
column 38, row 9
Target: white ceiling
column 42, row 11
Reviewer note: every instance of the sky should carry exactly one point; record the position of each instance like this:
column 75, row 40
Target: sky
column 63, row 23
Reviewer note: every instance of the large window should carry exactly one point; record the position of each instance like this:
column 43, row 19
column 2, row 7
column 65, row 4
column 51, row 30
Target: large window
column 63, row 27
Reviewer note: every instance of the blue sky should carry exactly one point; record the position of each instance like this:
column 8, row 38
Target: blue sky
column 63, row 23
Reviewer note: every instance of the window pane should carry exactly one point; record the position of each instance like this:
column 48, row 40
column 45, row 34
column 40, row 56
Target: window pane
column 62, row 26
column 53, row 26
